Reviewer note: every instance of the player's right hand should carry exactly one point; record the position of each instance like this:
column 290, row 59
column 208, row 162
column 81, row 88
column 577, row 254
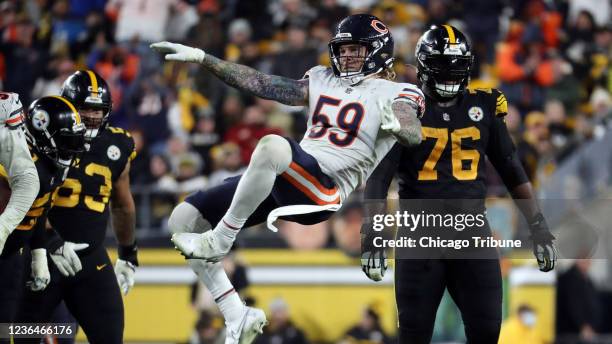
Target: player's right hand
column 40, row 270
column 66, row 259
column 179, row 52
column 374, row 264
column 4, row 234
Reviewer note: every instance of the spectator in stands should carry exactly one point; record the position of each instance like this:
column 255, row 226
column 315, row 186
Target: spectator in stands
column 162, row 178
column 521, row 327
column 286, row 13
column 203, row 138
column 577, row 303
column 482, row 20
column 347, row 226
column 534, row 143
column 297, row 57
column 565, row 86
column 227, row 163
column 281, row 330
column 208, row 329
column 525, row 69
column 150, row 105
column 581, row 34
column 368, row 330
column 249, row 130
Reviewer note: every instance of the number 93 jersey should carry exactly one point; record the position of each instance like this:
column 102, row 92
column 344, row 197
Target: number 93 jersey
column 343, row 131
column 80, row 208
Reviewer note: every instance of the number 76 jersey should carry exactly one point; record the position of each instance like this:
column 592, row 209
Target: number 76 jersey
column 343, row 131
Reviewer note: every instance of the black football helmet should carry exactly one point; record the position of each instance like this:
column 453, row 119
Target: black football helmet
column 54, row 129
column 87, row 90
column 444, row 62
column 368, row 31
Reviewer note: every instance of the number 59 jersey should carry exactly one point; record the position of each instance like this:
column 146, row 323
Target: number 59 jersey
column 343, row 131
column 80, row 209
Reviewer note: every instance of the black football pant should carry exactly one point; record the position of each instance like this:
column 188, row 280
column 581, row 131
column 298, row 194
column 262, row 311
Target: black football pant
column 475, row 286
column 92, row 296
column 12, row 283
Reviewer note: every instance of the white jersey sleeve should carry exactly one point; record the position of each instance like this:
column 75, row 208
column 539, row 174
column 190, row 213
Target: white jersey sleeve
column 343, row 130
column 17, row 162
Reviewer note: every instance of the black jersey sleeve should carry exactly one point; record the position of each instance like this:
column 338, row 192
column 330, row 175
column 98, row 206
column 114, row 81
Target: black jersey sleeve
column 502, row 153
column 377, row 185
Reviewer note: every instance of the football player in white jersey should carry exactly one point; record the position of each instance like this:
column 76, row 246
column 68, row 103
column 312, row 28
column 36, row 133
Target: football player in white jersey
column 16, row 160
column 356, row 115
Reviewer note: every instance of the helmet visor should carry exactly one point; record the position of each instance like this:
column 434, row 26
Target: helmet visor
column 448, row 67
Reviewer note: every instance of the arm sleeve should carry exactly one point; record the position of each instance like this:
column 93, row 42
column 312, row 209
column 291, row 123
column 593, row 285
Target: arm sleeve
column 375, row 194
column 503, row 156
column 21, row 173
column 377, row 185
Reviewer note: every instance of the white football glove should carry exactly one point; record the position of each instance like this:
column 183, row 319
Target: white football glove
column 179, row 52
column 4, row 234
column 40, row 270
column 374, row 264
column 388, row 120
column 125, row 275
column 66, row 258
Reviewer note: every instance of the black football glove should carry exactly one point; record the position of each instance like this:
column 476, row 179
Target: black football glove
column 543, row 246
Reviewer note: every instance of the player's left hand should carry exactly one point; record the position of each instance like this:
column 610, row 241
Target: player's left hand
column 543, row 246
column 40, row 270
column 66, row 258
column 374, row 264
column 179, row 52
column 389, row 121
column 125, row 275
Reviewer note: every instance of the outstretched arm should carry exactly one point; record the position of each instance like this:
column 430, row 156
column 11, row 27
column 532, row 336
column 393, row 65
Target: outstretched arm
column 284, row 90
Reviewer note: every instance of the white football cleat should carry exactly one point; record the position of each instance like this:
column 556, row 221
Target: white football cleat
column 199, row 246
column 251, row 325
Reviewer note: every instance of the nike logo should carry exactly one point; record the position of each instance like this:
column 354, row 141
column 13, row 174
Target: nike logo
column 100, row 267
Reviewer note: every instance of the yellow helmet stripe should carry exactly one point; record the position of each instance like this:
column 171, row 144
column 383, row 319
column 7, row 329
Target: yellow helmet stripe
column 94, row 83
column 74, row 110
column 451, row 34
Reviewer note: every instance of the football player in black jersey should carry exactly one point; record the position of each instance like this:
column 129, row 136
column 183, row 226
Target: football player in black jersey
column 459, row 128
column 98, row 185
column 55, row 135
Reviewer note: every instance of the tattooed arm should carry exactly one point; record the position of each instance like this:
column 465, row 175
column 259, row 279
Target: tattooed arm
column 401, row 120
column 281, row 89
column 409, row 133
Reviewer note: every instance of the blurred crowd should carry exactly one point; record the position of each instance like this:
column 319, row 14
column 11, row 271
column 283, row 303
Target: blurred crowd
column 551, row 58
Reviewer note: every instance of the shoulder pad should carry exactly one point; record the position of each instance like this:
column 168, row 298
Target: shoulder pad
column 501, row 103
column 412, row 94
column 11, row 110
column 314, row 70
column 119, row 131
column 128, row 141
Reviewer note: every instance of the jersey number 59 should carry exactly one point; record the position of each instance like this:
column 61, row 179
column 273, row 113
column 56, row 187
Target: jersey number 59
column 348, row 119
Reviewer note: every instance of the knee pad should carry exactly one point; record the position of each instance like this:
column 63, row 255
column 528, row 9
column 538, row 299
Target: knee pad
column 185, row 218
column 273, row 151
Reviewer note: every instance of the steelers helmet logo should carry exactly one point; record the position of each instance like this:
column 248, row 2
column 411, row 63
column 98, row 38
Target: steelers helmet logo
column 40, row 120
column 476, row 113
column 113, row 152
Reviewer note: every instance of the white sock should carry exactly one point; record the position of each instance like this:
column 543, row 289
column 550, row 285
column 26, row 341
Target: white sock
column 227, row 229
column 271, row 157
column 215, row 279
